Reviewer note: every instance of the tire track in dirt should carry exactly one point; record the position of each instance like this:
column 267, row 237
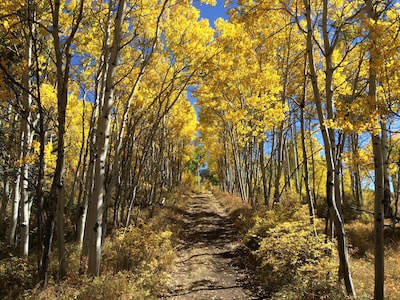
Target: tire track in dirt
column 208, row 263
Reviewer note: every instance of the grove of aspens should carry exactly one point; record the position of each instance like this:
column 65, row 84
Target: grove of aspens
column 114, row 113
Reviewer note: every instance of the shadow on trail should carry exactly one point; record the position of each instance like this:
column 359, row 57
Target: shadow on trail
column 204, row 285
column 209, row 230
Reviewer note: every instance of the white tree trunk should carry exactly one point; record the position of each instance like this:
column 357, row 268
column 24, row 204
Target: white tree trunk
column 25, row 213
column 83, row 215
column 101, row 147
column 26, row 147
column 328, row 138
column 87, row 190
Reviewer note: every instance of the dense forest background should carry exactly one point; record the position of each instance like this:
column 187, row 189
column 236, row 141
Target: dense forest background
column 297, row 104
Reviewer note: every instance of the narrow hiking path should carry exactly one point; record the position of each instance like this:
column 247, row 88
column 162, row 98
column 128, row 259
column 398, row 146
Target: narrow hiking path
column 209, row 263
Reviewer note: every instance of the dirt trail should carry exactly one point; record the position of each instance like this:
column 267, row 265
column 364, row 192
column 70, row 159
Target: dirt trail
column 209, row 261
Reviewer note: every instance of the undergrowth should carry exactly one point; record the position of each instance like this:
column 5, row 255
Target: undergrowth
column 284, row 253
column 135, row 262
column 291, row 261
column 293, row 264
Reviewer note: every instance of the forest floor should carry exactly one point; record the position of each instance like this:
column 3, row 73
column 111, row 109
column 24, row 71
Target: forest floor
column 211, row 262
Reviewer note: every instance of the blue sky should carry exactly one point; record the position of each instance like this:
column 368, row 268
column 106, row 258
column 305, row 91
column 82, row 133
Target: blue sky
column 211, row 12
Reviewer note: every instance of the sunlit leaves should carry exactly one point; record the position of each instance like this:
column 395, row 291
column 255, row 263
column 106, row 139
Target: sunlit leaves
column 241, row 90
column 182, row 121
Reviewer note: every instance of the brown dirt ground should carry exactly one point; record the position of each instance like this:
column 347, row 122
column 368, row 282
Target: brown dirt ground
column 210, row 262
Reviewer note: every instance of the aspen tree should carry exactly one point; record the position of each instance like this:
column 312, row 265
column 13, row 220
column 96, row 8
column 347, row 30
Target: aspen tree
column 243, row 99
column 5, row 158
column 16, row 65
column 62, row 46
column 20, row 71
column 306, row 174
column 159, row 91
column 101, row 145
column 372, row 13
column 27, row 135
column 328, row 133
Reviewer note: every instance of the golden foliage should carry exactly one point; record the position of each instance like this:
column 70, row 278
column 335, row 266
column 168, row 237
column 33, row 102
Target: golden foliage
column 146, row 253
column 292, row 261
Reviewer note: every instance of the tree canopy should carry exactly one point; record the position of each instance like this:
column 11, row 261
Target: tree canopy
column 292, row 98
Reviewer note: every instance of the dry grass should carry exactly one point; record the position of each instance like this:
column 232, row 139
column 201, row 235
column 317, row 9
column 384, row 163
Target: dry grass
column 231, row 202
column 363, row 275
column 239, row 212
column 361, row 241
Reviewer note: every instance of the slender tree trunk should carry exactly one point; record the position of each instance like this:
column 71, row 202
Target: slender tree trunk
column 6, row 178
column 264, row 174
column 294, row 149
column 86, row 188
column 387, row 209
column 357, row 187
column 314, row 186
column 81, row 162
column 25, row 208
column 82, row 226
column 5, row 197
column 396, row 200
column 238, row 167
column 287, row 167
column 328, row 138
column 338, row 170
column 41, row 162
column 101, row 146
column 62, row 47
column 379, row 218
column 115, row 169
column 27, row 138
column 309, row 196
column 279, row 165
column 57, row 198
column 271, row 165
column 21, row 196
column 379, row 161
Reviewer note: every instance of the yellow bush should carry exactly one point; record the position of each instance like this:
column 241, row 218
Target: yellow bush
column 292, row 262
column 120, row 286
column 147, row 254
column 265, row 219
column 292, row 259
column 189, row 180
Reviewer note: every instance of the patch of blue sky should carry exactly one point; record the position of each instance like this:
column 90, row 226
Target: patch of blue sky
column 212, row 13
